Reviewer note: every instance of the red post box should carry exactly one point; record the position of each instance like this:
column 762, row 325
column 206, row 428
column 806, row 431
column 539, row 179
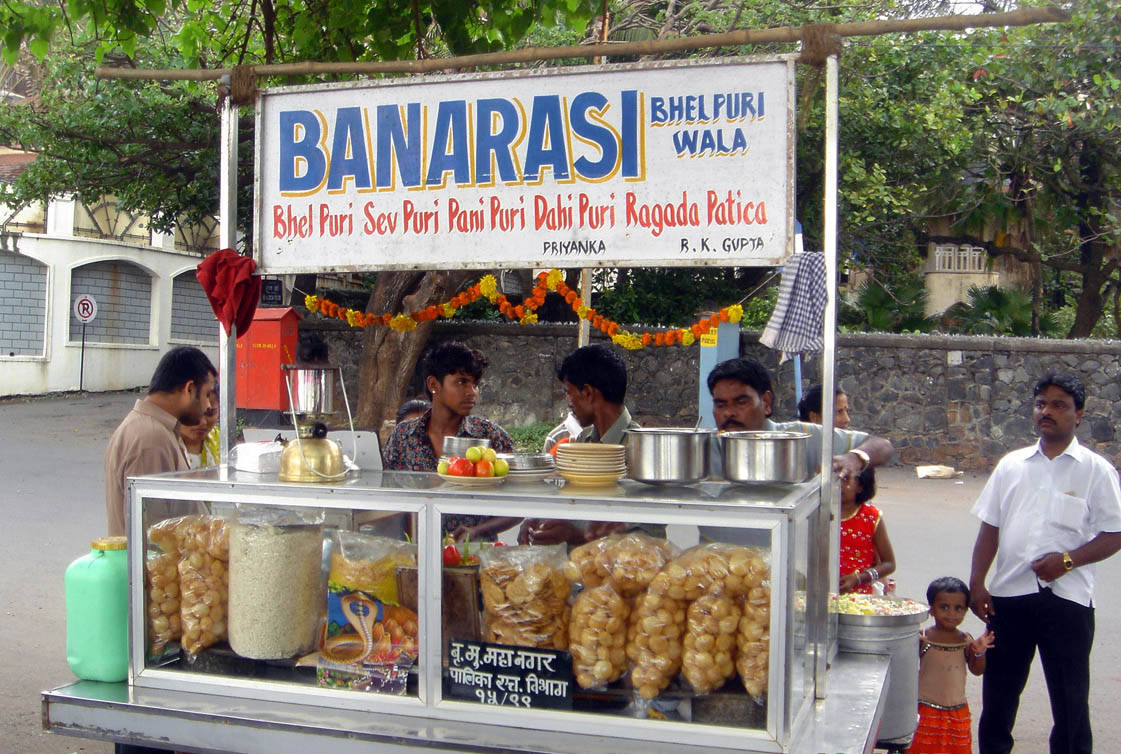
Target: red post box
column 270, row 342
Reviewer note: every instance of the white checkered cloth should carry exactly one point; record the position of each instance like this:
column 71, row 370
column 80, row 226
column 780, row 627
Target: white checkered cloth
column 796, row 323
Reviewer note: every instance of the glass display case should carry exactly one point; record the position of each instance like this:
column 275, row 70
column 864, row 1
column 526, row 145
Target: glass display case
column 677, row 612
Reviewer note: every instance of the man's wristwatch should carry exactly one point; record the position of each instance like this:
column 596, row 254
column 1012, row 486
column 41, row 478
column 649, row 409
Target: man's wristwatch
column 1068, row 562
column 862, row 456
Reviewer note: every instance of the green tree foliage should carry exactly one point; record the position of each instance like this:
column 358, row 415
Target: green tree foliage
column 1047, row 154
column 992, row 310
column 154, row 145
column 669, row 297
column 881, row 309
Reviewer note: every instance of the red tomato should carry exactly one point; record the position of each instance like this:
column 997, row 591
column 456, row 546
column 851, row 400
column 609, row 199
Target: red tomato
column 461, row 467
column 451, row 555
column 484, row 468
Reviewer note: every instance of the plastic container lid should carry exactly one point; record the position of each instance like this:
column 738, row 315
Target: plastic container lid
column 109, row 543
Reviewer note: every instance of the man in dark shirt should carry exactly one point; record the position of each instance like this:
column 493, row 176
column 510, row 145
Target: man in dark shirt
column 452, row 373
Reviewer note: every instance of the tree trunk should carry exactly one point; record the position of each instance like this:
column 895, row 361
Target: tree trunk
column 389, row 358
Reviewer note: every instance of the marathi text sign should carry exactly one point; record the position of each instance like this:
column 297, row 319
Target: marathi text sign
column 503, row 675
column 674, row 165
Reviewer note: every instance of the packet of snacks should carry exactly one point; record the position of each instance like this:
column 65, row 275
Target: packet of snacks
column 597, row 633
column 733, row 569
column 589, row 564
column 654, row 642
column 634, row 560
column 709, row 645
column 202, row 544
column 753, row 640
column 161, row 575
column 525, row 595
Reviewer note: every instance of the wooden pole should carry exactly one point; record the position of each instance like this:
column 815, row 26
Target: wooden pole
column 1022, row 17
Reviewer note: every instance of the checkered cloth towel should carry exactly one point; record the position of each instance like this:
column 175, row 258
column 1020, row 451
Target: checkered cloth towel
column 795, row 325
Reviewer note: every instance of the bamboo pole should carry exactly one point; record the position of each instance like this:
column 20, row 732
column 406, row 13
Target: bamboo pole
column 1022, row 17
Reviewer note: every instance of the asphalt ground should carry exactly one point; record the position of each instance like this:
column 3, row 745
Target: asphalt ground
column 52, row 495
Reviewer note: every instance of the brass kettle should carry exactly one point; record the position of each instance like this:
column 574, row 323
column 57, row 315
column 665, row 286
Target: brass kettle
column 311, row 457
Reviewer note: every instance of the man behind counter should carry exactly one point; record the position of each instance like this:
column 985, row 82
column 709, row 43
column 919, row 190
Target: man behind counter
column 742, row 399
column 595, row 384
column 452, row 372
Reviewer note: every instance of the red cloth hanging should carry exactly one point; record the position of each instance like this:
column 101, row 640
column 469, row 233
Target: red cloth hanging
column 228, row 281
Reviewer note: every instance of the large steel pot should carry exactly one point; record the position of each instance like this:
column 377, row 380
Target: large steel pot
column 667, row 455
column 896, row 636
column 765, row 456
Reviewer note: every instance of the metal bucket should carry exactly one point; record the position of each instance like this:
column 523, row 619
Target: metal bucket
column 898, row 637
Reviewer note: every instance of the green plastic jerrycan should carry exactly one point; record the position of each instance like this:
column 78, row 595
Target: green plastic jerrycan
column 97, row 612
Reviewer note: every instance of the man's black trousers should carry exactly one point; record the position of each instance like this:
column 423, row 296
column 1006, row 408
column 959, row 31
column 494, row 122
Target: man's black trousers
column 1064, row 632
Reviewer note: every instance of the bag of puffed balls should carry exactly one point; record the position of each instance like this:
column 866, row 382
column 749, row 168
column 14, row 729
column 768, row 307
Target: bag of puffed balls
column 654, row 642
column 709, row 645
column 596, row 635
column 589, row 564
column 525, row 595
column 162, row 577
column 201, row 547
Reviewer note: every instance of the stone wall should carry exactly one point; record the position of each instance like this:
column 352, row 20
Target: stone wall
column 961, row 401
column 192, row 318
column 23, row 305
column 123, row 292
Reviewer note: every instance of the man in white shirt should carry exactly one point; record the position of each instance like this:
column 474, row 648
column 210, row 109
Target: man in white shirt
column 1048, row 513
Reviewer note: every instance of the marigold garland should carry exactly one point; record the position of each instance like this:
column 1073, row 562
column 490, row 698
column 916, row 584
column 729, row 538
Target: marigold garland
column 526, row 313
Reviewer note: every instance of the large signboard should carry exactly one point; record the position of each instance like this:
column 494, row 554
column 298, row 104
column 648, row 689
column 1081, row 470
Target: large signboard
column 683, row 164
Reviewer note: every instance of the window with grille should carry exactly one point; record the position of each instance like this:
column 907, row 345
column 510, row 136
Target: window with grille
column 963, row 258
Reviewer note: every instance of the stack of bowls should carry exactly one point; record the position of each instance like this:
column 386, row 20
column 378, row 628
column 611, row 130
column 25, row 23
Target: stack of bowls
column 591, row 463
column 529, row 467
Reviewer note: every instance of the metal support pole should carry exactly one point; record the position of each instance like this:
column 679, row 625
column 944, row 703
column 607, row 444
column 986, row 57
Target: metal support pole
column 584, row 334
column 227, row 235
column 826, row 547
column 82, row 365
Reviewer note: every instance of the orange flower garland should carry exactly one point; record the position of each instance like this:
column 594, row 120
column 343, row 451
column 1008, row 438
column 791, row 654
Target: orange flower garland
column 526, row 313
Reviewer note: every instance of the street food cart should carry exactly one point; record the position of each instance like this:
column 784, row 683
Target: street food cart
column 689, row 163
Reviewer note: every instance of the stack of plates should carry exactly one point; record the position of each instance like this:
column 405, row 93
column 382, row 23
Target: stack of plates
column 591, row 463
column 529, row 467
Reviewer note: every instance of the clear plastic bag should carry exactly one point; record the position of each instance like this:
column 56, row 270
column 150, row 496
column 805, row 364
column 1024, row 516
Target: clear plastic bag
column 199, row 545
column 654, row 642
column 588, row 564
column 525, row 595
column 709, row 646
column 162, row 581
column 368, row 563
column 597, row 634
column 753, row 640
column 204, row 545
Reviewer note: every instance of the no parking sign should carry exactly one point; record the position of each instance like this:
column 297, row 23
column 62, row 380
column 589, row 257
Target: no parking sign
column 85, row 308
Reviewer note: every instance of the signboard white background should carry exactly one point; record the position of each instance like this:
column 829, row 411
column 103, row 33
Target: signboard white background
column 688, row 164
column 85, row 308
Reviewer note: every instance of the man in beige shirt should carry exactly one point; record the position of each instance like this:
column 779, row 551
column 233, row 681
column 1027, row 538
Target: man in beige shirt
column 183, row 387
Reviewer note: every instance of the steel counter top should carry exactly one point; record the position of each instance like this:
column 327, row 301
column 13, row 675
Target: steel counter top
column 845, row 722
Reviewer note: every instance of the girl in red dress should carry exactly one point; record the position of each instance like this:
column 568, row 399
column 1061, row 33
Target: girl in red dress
column 944, row 654
column 866, row 553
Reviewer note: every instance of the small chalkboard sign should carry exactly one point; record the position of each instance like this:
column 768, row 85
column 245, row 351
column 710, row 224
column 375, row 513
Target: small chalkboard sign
column 272, row 292
column 508, row 676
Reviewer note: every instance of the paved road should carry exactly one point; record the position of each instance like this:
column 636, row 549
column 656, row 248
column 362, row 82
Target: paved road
column 53, row 498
